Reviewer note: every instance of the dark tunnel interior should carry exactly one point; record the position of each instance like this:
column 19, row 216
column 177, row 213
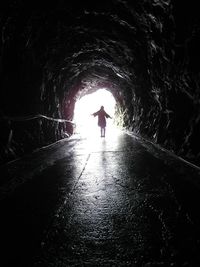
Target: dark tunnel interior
column 145, row 52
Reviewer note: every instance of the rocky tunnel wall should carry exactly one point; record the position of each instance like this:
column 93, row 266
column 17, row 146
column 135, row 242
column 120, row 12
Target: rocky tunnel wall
column 144, row 52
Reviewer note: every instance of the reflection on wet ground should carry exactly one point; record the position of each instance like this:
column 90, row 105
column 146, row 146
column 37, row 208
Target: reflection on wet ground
column 113, row 201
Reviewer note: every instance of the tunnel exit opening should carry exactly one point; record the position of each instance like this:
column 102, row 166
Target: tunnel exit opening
column 86, row 123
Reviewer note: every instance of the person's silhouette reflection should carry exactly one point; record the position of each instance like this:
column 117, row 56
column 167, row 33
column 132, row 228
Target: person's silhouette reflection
column 102, row 115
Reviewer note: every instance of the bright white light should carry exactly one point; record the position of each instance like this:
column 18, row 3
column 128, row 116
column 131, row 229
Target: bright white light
column 86, row 124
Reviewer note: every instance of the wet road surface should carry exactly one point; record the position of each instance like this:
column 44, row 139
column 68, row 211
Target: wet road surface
column 117, row 201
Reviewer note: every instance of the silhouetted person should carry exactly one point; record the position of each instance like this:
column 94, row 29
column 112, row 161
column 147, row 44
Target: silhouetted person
column 102, row 115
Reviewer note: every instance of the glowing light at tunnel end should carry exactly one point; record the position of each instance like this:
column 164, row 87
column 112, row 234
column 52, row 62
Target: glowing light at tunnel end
column 86, row 123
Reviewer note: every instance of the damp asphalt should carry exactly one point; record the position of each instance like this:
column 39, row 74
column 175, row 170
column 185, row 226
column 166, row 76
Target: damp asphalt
column 113, row 201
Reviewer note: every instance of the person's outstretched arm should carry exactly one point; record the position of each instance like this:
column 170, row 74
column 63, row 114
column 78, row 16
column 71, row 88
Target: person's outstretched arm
column 107, row 115
column 94, row 114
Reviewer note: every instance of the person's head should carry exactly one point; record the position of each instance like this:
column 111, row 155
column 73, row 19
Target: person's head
column 102, row 107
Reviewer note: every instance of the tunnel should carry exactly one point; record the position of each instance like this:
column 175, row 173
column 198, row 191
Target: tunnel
column 144, row 52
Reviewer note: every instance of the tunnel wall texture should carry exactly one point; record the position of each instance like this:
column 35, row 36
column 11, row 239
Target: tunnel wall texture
column 145, row 52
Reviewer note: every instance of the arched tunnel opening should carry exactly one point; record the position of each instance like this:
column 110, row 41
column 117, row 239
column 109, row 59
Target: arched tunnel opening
column 87, row 105
column 127, row 200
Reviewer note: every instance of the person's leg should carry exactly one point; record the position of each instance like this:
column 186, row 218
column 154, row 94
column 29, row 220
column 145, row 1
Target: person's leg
column 104, row 131
column 101, row 131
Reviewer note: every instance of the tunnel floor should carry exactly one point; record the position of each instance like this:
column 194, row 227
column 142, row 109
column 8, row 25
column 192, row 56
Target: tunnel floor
column 114, row 201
